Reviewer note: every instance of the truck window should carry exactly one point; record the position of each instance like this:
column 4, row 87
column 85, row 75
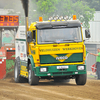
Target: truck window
column 62, row 35
column 34, row 35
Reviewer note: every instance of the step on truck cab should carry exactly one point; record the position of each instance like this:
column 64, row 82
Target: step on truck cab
column 56, row 51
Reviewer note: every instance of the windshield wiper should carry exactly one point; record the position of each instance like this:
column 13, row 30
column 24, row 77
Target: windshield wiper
column 71, row 40
column 50, row 41
column 62, row 40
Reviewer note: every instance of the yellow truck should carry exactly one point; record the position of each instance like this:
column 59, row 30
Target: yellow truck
column 55, row 50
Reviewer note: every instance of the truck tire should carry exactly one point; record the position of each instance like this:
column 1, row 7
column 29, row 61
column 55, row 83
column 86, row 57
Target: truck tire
column 17, row 76
column 81, row 79
column 32, row 79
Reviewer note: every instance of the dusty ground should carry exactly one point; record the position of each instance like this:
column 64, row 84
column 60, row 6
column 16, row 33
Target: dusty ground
column 48, row 90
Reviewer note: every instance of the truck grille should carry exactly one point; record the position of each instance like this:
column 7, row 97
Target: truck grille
column 49, row 59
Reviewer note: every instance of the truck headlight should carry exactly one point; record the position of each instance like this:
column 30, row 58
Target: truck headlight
column 81, row 67
column 43, row 69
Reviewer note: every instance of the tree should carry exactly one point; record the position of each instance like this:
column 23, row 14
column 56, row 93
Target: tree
column 67, row 7
column 91, row 3
column 94, row 4
column 46, row 7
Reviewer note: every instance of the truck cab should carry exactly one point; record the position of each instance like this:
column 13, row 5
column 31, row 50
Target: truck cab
column 56, row 51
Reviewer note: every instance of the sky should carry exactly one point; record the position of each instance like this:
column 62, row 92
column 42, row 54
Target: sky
column 11, row 4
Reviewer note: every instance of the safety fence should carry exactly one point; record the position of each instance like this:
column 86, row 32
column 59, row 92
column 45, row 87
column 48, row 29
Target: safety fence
column 7, row 61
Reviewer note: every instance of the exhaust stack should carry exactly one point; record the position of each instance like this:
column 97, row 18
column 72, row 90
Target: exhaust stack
column 25, row 4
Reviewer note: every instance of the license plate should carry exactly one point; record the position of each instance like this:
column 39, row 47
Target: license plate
column 62, row 67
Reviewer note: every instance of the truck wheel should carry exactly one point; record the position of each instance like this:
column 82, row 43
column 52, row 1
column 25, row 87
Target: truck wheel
column 17, row 76
column 81, row 79
column 32, row 79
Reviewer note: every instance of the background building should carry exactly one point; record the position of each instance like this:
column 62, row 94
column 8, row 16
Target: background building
column 6, row 11
column 94, row 42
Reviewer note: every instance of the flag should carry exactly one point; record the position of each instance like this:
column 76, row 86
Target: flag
column 93, row 67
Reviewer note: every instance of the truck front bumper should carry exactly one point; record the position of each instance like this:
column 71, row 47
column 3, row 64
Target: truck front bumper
column 65, row 70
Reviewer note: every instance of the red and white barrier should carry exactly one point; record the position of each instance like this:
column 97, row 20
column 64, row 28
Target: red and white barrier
column 10, row 53
column 10, row 48
column 93, row 67
column 3, row 68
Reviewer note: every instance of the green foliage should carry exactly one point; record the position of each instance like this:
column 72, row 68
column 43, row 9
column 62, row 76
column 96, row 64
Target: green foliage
column 46, row 7
column 91, row 3
column 83, row 12
column 94, row 4
column 49, row 8
column 9, row 65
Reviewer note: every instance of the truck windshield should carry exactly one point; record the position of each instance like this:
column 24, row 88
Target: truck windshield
column 62, row 35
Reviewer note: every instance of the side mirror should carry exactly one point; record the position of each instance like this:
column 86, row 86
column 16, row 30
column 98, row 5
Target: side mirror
column 87, row 33
column 29, row 36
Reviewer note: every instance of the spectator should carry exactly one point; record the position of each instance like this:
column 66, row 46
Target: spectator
column 97, row 63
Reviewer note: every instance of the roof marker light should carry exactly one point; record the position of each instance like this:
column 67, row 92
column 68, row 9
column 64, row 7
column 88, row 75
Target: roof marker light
column 74, row 17
column 40, row 19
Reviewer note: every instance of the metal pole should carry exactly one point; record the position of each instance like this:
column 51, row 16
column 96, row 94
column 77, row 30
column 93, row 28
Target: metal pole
column 26, row 35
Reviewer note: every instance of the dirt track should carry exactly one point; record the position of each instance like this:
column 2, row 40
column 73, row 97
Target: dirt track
column 48, row 90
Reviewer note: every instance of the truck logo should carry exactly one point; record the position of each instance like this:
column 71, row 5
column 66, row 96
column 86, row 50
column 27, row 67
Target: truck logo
column 61, row 58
